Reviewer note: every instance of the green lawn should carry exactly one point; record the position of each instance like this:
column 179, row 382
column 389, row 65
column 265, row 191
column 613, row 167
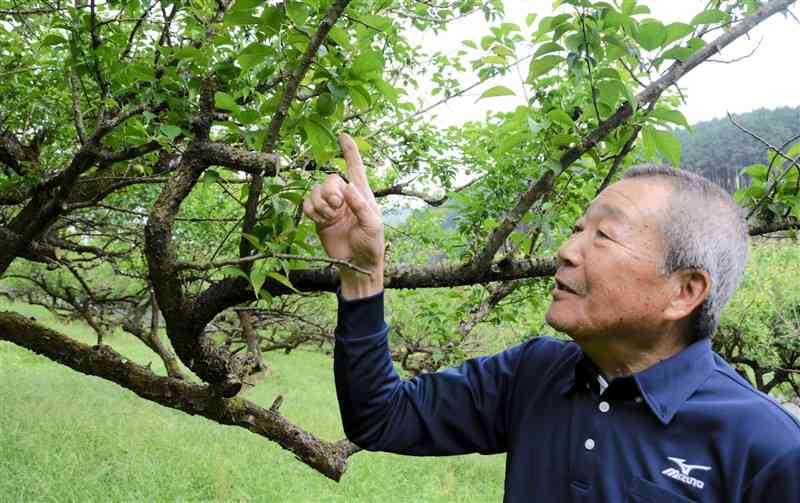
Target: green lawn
column 65, row 436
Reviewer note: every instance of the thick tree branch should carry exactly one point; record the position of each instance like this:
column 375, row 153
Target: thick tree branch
column 221, row 154
column 781, row 225
column 236, row 290
column 330, row 459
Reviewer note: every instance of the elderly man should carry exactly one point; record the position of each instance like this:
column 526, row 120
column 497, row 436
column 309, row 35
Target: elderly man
column 638, row 408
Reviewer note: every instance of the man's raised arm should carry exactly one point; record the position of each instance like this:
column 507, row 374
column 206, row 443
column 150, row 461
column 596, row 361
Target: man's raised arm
column 452, row 412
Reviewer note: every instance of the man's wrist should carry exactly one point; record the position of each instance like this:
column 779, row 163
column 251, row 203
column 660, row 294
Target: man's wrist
column 356, row 285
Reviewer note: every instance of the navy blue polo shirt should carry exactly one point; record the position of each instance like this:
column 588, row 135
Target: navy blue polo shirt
column 688, row 429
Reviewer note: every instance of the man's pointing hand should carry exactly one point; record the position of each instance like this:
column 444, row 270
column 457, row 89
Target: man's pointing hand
column 349, row 223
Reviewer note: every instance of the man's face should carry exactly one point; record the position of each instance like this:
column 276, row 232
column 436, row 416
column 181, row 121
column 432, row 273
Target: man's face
column 609, row 278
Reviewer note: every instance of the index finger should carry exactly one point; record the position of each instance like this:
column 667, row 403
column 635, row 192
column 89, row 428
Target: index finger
column 355, row 166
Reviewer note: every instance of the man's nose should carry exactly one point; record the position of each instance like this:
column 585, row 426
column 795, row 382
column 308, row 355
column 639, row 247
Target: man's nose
column 569, row 252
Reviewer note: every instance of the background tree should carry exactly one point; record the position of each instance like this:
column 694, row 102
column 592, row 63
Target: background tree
column 165, row 146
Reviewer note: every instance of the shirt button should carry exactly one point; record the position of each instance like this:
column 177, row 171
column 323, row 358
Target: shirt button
column 604, row 407
column 589, row 444
column 638, row 399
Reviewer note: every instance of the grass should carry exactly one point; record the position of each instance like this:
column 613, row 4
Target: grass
column 65, row 437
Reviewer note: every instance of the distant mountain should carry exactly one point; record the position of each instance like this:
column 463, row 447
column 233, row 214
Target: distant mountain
column 718, row 150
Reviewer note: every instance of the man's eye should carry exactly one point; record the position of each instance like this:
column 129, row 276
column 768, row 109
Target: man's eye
column 602, row 235
column 576, row 229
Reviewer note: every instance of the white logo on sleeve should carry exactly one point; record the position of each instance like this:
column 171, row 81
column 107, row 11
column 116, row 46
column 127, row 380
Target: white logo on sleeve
column 684, row 474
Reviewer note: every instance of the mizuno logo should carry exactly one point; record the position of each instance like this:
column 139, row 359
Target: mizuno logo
column 685, row 470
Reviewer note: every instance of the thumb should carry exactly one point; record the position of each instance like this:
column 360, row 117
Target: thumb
column 363, row 211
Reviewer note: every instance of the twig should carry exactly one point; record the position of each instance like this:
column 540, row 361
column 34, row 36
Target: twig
column 740, row 58
column 589, row 64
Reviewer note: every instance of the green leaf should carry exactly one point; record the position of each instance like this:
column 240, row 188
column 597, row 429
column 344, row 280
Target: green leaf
column 669, row 146
column 320, row 139
column 340, row 36
column 648, row 142
column 561, row 117
column 794, row 151
column 252, row 55
column 283, row 280
column 547, row 48
column 363, row 146
column 543, row 65
column 614, row 19
column 367, row 62
column 224, row 101
column 676, row 31
column 496, row 91
column 494, row 60
column 387, row 90
column 360, row 98
column 673, row 116
column 53, row 39
column 337, row 90
column 609, row 91
column 271, row 20
column 606, row 73
column 257, row 277
column 530, row 18
column 710, row 16
column 239, row 18
column 297, row 12
column 246, row 4
column 509, row 142
column 679, row 53
column 757, row 172
column 628, row 6
column 380, row 23
column 209, row 177
column 141, row 71
column 651, row 34
column 170, row 131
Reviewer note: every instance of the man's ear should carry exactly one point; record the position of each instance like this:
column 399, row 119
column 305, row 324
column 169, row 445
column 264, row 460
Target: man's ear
column 690, row 289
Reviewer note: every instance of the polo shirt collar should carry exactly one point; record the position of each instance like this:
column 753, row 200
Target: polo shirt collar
column 668, row 384
column 664, row 387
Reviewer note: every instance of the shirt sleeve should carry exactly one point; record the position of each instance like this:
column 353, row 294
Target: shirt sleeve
column 778, row 481
column 455, row 411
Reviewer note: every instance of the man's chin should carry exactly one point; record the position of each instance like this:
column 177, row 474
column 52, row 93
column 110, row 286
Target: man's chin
column 559, row 321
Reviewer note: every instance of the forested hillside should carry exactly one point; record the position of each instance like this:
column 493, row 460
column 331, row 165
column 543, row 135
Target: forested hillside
column 719, row 151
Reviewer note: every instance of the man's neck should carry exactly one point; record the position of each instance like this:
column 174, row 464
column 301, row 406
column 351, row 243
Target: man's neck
column 619, row 356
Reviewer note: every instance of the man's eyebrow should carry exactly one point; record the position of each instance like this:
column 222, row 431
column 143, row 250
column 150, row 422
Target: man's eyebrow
column 605, row 209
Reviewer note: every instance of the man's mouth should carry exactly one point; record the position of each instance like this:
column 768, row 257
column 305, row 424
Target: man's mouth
column 564, row 287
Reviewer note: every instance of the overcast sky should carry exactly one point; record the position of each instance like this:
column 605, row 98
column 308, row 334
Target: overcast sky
column 770, row 78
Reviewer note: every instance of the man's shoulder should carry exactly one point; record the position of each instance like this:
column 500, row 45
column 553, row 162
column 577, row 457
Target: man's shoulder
column 750, row 401
column 550, row 348
column 544, row 352
column 755, row 419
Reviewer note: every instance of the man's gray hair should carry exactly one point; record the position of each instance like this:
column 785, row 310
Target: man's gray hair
column 704, row 230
